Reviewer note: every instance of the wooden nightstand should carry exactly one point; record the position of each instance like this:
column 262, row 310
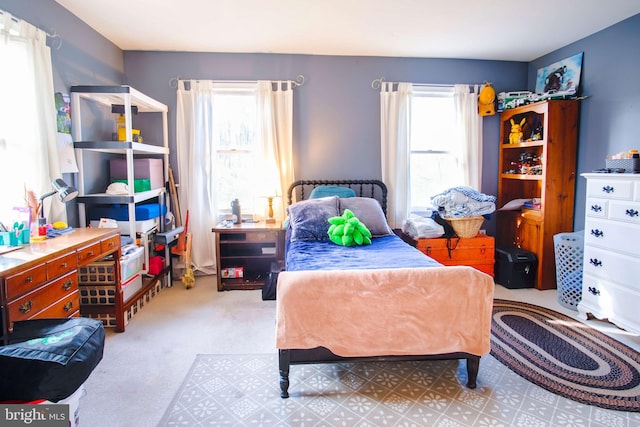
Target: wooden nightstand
column 477, row 252
column 244, row 253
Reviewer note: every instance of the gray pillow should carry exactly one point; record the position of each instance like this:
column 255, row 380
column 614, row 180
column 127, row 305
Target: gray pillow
column 369, row 212
column 309, row 219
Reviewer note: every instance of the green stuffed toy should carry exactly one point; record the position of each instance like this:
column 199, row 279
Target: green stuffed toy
column 347, row 230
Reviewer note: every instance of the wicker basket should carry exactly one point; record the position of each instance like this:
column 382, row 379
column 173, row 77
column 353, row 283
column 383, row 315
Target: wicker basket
column 466, row 226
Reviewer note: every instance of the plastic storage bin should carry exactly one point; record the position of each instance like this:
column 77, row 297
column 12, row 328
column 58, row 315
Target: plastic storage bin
column 569, row 250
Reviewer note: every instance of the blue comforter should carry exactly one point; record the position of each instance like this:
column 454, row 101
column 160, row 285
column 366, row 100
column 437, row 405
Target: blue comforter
column 383, row 252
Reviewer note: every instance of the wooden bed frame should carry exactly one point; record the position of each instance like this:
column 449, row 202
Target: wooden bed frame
column 364, row 188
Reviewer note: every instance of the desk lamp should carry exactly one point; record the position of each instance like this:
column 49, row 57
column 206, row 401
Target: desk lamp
column 66, row 193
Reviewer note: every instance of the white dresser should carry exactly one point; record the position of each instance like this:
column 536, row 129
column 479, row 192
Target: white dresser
column 611, row 279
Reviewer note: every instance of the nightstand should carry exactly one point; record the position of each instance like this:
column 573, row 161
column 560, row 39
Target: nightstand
column 244, row 253
column 477, row 252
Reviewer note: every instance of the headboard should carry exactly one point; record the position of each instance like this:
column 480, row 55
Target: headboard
column 372, row 188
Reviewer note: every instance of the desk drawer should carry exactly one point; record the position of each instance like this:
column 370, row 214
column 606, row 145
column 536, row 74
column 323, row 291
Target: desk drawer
column 25, row 281
column 69, row 306
column 30, row 305
column 110, row 244
column 62, row 265
column 89, row 253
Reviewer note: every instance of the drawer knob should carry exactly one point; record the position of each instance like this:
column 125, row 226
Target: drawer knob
column 90, row 253
column 67, row 285
column 29, row 279
column 594, row 291
column 595, row 262
column 68, row 306
column 596, row 208
column 632, row 212
column 597, row 233
column 63, row 265
column 608, row 189
column 25, row 307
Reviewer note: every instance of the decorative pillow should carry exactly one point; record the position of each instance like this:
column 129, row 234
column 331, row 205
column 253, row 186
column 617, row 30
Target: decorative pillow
column 309, row 219
column 369, row 212
column 347, row 230
column 331, row 190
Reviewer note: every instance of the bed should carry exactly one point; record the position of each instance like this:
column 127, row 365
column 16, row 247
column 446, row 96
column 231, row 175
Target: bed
column 383, row 301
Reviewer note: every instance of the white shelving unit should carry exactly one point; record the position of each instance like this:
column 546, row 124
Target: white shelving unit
column 94, row 99
column 108, row 96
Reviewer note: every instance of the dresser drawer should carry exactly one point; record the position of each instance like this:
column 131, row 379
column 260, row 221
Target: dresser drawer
column 597, row 208
column 610, row 188
column 616, row 267
column 110, row 244
column 61, row 265
column 30, row 305
column 624, row 211
column 69, row 306
column 25, row 281
column 606, row 300
column 618, row 236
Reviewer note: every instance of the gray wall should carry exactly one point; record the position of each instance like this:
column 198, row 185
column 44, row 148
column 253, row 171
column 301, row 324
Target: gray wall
column 78, row 56
column 336, row 112
column 610, row 80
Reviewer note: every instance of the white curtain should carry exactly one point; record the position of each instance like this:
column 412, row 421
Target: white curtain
column 275, row 117
column 196, row 155
column 395, row 125
column 195, row 169
column 469, row 124
column 28, row 140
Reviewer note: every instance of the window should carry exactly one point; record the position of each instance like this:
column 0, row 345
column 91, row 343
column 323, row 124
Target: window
column 20, row 143
column 435, row 153
column 238, row 152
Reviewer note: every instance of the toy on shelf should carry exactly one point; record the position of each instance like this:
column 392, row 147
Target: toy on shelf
column 516, row 134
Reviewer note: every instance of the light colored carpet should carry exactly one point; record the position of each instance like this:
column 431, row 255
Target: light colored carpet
column 144, row 367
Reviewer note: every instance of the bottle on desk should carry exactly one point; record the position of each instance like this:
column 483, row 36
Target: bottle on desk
column 235, row 211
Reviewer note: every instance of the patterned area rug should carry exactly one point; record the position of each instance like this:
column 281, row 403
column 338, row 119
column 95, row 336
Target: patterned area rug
column 243, row 390
column 565, row 356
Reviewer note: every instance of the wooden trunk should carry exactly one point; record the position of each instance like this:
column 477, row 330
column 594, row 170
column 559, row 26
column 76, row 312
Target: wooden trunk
column 477, row 252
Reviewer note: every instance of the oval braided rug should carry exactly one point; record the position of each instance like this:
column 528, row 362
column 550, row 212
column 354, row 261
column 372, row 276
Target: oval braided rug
column 565, row 356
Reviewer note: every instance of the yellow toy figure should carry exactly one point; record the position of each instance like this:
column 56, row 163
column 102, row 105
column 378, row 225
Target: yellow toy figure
column 515, row 136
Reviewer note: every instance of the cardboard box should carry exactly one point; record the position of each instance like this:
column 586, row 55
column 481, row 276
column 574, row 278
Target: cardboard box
column 232, row 272
column 151, row 169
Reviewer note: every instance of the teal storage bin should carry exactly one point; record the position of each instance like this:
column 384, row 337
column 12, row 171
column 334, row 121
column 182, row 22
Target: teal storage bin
column 9, row 238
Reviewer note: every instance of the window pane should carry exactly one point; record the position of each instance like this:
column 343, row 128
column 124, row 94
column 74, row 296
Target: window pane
column 432, row 173
column 238, row 153
column 18, row 141
column 435, row 151
column 432, row 123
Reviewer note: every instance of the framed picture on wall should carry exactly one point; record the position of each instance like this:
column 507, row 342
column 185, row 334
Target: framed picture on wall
column 562, row 77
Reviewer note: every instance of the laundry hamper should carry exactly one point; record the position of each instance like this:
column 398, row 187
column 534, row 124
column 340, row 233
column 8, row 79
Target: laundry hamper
column 569, row 251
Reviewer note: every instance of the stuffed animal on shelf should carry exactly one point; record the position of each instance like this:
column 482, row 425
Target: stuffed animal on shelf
column 515, row 136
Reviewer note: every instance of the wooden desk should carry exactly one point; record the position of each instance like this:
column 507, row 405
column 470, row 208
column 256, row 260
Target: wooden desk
column 40, row 280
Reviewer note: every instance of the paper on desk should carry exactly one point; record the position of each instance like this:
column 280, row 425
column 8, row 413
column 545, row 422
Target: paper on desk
column 514, row 205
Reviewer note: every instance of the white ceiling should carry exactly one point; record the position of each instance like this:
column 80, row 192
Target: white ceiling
column 494, row 29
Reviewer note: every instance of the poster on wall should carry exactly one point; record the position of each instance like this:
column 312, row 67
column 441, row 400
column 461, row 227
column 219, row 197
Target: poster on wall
column 66, row 154
column 562, row 77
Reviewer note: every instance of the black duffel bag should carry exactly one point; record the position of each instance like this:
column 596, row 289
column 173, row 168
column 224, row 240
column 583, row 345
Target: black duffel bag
column 49, row 358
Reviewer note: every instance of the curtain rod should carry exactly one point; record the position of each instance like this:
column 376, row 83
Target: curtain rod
column 173, row 82
column 377, row 84
column 56, row 40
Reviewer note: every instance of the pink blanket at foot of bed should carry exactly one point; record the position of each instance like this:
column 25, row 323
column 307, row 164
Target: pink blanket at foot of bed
column 408, row 311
